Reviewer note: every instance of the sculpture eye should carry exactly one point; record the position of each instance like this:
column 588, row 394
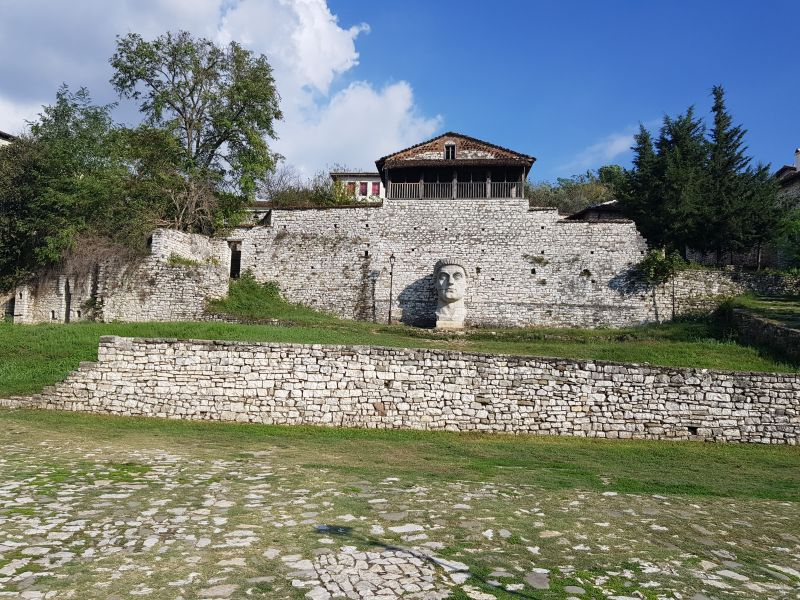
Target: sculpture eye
column 456, row 275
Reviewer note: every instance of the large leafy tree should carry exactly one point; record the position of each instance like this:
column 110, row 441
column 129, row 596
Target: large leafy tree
column 55, row 184
column 220, row 103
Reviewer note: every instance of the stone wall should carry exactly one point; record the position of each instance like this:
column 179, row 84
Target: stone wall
column 755, row 330
column 525, row 266
column 172, row 283
column 428, row 389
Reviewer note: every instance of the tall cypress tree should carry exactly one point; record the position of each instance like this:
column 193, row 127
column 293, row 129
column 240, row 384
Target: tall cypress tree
column 741, row 209
column 698, row 192
column 638, row 195
column 680, row 180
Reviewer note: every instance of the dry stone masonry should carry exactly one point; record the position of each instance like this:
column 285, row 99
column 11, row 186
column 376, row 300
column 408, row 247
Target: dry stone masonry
column 524, row 267
column 172, row 283
column 375, row 387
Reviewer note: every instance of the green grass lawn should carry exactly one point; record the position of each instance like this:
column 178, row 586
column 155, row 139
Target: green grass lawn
column 636, row 466
column 32, row 357
column 785, row 310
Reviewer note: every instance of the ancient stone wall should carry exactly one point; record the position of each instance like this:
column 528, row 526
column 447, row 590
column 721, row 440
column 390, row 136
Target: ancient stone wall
column 763, row 332
column 172, row 283
column 428, row 389
column 525, row 267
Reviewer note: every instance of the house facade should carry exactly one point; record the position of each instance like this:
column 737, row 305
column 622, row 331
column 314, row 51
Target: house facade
column 788, row 178
column 363, row 185
column 456, row 166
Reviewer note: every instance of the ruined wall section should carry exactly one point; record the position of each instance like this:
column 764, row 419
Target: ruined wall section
column 391, row 388
column 154, row 288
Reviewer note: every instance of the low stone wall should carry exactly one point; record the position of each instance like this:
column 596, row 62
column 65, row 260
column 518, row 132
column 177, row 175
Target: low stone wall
column 763, row 332
column 428, row 389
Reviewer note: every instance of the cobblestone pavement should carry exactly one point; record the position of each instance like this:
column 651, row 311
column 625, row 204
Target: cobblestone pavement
column 83, row 520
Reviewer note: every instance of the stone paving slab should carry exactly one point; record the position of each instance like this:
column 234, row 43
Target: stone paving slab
column 80, row 519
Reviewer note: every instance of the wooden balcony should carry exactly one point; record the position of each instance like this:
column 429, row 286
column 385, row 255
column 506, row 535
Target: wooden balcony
column 463, row 189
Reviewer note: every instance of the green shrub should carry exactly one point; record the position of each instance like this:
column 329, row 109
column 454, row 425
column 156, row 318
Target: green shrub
column 658, row 267
column 176, row 260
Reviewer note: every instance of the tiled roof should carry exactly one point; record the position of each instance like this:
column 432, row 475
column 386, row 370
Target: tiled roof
column 7, row 136
column 355, row 174
column 507, row 156
column 787, row 174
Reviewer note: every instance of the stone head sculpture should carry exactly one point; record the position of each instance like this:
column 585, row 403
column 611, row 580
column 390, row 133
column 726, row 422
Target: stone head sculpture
column 450, row 279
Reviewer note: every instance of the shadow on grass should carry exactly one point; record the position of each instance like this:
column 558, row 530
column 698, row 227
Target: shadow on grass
column 347, row 533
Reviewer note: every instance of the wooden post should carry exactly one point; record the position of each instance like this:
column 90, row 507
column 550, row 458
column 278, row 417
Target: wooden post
column 421, row 184
column 488, row 183
column 455, row 183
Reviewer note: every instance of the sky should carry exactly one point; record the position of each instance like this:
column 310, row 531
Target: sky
column 565, row 81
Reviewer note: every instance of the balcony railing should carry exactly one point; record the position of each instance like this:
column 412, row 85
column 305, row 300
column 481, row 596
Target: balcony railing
column 507, row 189
column 464, row 189
column 437, row 190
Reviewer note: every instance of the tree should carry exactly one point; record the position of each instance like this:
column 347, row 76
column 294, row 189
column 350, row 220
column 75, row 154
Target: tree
column 220, row 103
column 55, row 184
column 638, row 196
column 742, row 210
column 689, row 190
column 569, row 195
column 680, row 179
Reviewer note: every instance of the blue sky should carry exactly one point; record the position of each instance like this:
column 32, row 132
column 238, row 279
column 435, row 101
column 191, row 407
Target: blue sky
column 567, row 82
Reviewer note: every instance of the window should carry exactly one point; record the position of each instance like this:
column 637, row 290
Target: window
column 351, row 188
column 376, row 188
column 450, row 152
column 362, row 188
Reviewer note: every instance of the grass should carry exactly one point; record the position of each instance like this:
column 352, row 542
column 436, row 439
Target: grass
column 32, row 357
column 784, row 310
column 633, row 466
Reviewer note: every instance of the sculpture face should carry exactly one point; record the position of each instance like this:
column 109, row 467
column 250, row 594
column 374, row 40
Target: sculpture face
column 451, row 283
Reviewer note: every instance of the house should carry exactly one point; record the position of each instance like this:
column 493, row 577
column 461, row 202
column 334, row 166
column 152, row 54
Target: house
column 6, row 138
column 364, row 185
column 453, row 165
column 605, row 211
column 788, row 177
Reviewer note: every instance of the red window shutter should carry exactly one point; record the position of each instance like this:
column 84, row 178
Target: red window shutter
column 376, row 188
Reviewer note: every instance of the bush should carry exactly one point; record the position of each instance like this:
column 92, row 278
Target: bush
column 658, row 267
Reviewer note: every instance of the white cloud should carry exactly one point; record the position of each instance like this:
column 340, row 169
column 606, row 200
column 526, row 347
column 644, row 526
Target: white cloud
column 13, row 115
column 600, row 153
column 55, row 42
column 357, row 126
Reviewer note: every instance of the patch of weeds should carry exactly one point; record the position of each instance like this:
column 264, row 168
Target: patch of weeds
column 261, row 587
column 24, row 511
column 176, row 260
column 127, row 472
